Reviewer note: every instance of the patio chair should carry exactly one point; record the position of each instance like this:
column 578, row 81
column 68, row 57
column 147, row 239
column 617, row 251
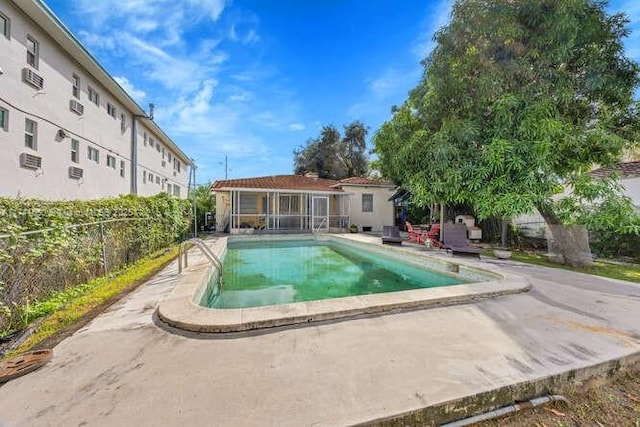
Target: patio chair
column 391, row 234
column 415, row 236
column 454, row 240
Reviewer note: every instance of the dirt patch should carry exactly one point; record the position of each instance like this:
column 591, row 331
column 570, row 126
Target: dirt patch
column 600, row 402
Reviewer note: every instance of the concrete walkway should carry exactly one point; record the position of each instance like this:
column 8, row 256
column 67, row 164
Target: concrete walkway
column 122, row 369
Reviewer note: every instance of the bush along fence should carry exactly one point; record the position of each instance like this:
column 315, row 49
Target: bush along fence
column 47, row 247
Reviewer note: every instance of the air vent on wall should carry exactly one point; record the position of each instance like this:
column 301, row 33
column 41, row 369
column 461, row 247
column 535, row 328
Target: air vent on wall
column 75, row 173
column 30, row 77
column 76, row 107
column 30, row 161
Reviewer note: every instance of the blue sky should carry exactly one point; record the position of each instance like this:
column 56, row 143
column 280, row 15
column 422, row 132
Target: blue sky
column 254, row 79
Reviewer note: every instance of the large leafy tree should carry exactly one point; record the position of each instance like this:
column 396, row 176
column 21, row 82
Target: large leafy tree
column 518, row 101
column 332, row 155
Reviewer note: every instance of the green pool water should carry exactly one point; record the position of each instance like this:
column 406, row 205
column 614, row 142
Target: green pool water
column 278, row 272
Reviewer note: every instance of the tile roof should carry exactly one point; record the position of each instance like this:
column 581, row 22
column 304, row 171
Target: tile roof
column 279, row 182
column 358, row 180
column 625, row 170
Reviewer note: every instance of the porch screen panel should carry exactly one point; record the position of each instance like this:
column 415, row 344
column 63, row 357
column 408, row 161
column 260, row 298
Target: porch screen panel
column 289, row 211
column 248, row 203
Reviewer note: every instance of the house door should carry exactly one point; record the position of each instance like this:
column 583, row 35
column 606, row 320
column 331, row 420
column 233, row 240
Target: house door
column 319, row 213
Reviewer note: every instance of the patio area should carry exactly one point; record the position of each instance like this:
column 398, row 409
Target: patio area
column 126, row 369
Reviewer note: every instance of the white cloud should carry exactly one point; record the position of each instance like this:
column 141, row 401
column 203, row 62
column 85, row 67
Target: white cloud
column 435, row 19
column 136, row 94
column 297, row 126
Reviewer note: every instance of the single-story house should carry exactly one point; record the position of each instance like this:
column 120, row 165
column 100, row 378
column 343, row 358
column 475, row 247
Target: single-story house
column 302, row 203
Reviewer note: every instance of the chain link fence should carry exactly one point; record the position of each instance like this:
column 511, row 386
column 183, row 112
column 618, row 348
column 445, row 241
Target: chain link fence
column 36, row 264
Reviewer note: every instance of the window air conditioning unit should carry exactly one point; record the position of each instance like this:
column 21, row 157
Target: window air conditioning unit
column 75, row 173
column 28, row 76
column 76, row 107
column 30, row 161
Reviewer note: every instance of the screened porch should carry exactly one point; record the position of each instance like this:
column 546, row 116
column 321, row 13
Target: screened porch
column 292, row 211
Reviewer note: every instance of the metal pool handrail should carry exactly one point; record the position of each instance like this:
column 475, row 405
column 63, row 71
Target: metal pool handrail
column 215, row 261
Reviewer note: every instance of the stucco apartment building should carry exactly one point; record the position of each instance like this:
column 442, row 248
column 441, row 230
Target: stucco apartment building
column 67, row 129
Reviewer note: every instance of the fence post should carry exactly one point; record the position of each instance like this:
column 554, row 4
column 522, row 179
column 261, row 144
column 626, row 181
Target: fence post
column 104, row 248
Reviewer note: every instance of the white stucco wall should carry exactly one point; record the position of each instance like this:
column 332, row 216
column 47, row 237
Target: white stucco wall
column 49, row 108
column 382, row 208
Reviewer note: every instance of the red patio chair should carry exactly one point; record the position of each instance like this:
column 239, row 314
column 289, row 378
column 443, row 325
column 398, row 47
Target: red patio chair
column 415, row 236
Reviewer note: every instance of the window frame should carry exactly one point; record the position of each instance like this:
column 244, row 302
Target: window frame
column 75, row 151
column 111, row 110
column 111, row 161
column 123, row 123
column 7, row 26
column 4, row 123
column 33, row 57
column 152, row 142
column 242, row 204
column 32, row 134
column 91, row 150
column 94, row 96
column 122, row 168
column 368, row 210
column 75, row 85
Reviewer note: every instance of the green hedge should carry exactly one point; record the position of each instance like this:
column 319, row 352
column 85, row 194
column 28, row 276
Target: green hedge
column 80, row 237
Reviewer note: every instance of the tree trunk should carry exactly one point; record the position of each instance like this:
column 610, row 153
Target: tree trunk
column 569, row 244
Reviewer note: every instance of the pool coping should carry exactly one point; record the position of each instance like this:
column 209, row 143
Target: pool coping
column 180, row 308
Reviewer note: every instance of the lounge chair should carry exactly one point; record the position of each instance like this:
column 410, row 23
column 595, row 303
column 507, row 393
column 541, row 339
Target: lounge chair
column 415, row 236
column 455, row 240
column 391, row 234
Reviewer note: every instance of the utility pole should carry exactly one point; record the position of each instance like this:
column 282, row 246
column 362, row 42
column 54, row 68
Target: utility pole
column 226, row 169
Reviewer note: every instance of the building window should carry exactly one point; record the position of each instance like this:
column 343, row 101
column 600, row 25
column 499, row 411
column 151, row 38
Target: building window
column 33, row 52
column 367, row 203
column 169, row 192
column 111, row 161
column 157, row 179
column 75, row 91
column 144, row 177
column 176, row 190
column 144, row 134
column 158, row 147
column 122, row 168
column 75, row 149
column 176, row 165
column 31, row 134
column 5, row 25
column 111, row 110
column 93, row 96
column 150, row 177
column 169, row 156
column 151, row 141
column 123, row 123
column 93, row 154
column 4, row 119
column 248, row 203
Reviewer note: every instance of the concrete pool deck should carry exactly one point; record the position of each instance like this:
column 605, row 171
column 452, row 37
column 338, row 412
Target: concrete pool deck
column 181, row 308
column 122, row 369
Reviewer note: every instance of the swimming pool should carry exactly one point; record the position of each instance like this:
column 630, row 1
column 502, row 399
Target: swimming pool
column 259, row 273
column 185, row 307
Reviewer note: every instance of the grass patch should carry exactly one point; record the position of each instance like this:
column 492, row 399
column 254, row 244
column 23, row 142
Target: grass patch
column 70, row 307
column 604, row 269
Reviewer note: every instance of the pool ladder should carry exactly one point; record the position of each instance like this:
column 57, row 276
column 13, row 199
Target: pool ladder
column 206, row 250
